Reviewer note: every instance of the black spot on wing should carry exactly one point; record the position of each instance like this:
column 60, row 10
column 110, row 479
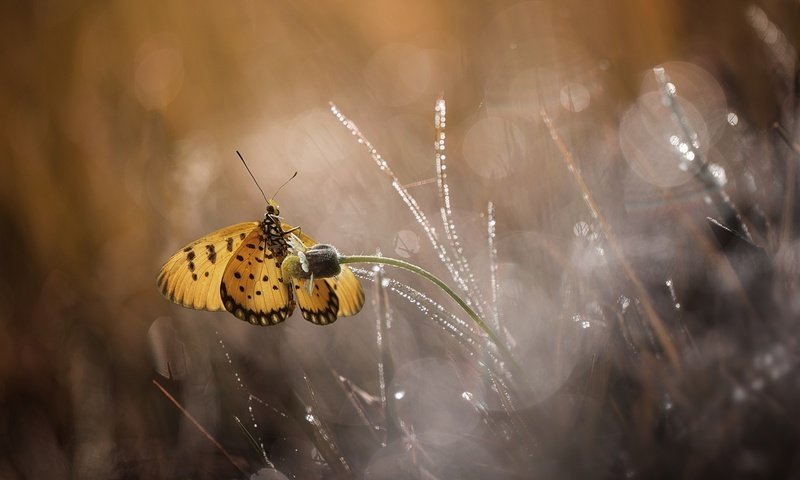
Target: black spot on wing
column 272, row 317
column 211, row 252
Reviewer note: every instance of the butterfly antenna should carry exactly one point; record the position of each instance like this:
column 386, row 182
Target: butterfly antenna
column 284, row 184
column 253, row 176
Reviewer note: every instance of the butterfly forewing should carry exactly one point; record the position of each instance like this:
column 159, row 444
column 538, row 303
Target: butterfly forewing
column 343, row 291
column 252, row 287
column 192, row 276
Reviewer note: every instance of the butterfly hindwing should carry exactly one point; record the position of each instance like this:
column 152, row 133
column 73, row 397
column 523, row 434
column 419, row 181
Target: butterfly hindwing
column 192, row 276
column 348, row 289
column 252, row 286
column 338, row 296
column 321, row 306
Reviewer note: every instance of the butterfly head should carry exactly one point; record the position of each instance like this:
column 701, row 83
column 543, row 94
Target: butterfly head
column 272, row 208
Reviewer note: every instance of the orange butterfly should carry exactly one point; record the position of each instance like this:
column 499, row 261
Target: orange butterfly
column 238, row 268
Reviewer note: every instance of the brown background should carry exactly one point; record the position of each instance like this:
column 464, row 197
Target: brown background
column 120, row 122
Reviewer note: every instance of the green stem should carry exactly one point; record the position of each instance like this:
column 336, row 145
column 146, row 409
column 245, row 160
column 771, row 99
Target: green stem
column 424, row 273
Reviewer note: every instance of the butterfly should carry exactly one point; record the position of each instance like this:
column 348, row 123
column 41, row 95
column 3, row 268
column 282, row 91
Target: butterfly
column 238, row 268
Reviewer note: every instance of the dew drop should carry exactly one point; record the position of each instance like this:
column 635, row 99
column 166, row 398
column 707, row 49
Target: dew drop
column 718, row 173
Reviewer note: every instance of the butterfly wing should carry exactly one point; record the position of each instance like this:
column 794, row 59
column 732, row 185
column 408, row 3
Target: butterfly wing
column 348, row 289
column 252, row 287
column 192, row 276
column 330, row 298
column 321, row 306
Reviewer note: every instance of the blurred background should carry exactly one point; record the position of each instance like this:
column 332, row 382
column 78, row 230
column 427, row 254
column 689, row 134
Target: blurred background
column 652, row 343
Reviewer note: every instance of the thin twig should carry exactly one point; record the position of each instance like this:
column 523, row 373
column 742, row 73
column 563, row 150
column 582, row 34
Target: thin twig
column 786, row 137
column 791, row 182
column 199, row 427
column 446, row 209
column 410, row 201
column 698, row 164
column 253, row 442
column 385, row 364
column 652, row 316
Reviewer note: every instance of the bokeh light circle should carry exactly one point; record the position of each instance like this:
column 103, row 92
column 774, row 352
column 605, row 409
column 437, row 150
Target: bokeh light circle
column 492, row 145
column 651, row 140
column 159, row 77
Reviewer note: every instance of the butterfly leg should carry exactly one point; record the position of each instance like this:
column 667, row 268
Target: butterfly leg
column 292, row 230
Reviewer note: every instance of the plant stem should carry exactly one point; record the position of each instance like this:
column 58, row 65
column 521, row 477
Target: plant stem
column 424, row 273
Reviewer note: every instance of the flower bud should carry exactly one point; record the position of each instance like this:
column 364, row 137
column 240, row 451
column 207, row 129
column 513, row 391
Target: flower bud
column 322, row 261
column 318, row 261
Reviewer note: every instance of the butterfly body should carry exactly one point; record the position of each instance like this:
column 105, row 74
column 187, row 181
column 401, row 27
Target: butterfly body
column 238, row 269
